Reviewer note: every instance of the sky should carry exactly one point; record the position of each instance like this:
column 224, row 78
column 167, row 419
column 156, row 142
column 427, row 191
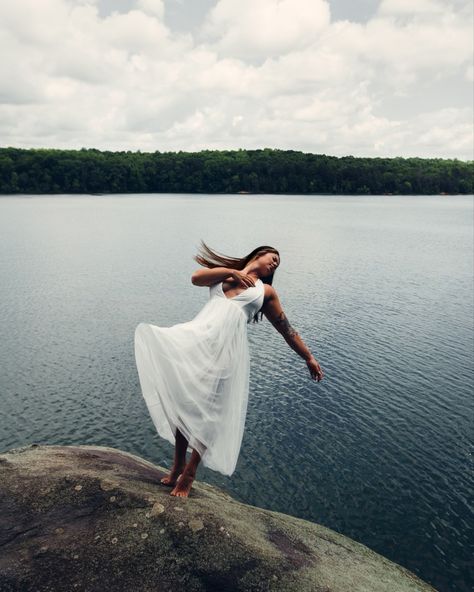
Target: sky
column 381, row 78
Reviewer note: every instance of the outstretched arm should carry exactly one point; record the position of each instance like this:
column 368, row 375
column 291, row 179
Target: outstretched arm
column 273, row 310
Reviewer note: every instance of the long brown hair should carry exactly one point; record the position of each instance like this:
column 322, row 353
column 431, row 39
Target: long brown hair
column 212, row 258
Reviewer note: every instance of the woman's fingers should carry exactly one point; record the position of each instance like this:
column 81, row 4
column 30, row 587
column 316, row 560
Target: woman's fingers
column 315, row 370
column 244, row 279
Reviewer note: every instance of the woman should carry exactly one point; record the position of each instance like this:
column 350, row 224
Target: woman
column 194, row 376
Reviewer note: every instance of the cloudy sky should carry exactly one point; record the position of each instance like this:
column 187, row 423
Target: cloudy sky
column 361, row 77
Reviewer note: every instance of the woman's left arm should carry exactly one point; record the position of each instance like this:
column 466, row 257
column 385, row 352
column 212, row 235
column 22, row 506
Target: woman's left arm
column 273, row 310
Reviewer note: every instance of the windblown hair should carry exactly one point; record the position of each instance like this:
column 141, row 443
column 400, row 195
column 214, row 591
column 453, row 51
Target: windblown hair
column 212, row 258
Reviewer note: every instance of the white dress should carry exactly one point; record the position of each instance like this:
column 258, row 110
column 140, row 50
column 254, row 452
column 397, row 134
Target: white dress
column 195, row 375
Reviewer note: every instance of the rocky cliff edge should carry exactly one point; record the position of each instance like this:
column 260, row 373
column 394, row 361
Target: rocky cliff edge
column 91, row 518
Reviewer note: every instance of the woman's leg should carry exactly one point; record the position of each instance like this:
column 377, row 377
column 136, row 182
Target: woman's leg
column 183, row 486
column 181, row 445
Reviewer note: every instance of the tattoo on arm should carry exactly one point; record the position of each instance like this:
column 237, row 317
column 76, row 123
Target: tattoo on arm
column 283, row 326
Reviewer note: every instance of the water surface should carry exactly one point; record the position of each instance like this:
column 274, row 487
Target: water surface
column 379, row 287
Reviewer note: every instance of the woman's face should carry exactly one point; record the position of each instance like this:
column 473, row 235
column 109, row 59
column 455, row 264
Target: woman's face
column 268, row 262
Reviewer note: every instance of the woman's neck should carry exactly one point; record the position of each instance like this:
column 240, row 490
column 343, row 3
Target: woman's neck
column 252, row 272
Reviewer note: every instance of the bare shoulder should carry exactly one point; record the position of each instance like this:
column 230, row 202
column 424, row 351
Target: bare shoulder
column 274, row 312
column 269, row 292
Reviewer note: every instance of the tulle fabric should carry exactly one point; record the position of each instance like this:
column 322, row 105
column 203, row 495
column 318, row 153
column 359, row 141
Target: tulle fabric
column 195, row 376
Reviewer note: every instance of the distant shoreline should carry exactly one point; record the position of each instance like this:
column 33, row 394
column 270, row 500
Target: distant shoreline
column 106, row 194
column 227, row 172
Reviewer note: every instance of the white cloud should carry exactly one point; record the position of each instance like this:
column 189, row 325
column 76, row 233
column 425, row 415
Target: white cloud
column 410, row 8
column 469, row 74
column 259, row 28
column 152, row 7
column 260, row 73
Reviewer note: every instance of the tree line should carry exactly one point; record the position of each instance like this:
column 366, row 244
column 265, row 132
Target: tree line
column 227, row 171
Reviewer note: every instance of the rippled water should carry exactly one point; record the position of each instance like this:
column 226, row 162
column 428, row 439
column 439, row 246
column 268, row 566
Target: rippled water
column 380, row 289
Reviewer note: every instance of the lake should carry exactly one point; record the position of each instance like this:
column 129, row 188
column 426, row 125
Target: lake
column 380, row 288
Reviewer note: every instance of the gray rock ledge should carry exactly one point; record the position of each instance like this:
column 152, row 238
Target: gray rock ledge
column 92, row 518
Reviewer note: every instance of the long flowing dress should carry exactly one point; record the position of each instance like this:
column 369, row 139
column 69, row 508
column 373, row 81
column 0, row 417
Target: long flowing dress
column 195, row 375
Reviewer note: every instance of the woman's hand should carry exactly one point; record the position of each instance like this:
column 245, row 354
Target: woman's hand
column 242, row 278
column 315, row 369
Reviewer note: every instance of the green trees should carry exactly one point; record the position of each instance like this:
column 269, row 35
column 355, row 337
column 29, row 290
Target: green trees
column 226, row 171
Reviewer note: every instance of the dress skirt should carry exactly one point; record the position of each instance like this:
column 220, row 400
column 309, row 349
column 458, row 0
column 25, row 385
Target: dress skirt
column 194, row 376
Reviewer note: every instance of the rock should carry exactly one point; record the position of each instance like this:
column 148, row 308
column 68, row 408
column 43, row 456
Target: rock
column 195, row 524
column 74, row 536
column 157, row 509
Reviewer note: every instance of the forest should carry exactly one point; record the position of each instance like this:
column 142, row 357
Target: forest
column 265, row 170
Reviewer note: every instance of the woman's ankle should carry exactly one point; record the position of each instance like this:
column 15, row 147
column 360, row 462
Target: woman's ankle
column 190, row 470
column 178, row 466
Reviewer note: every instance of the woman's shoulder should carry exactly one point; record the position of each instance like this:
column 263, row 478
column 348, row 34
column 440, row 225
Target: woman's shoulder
column 268, row 291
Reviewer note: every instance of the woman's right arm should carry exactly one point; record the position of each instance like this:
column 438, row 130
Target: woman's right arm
column 209, row 277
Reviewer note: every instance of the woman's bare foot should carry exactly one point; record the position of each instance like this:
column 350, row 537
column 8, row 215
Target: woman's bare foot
column 183, row 485
column 173, row 476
